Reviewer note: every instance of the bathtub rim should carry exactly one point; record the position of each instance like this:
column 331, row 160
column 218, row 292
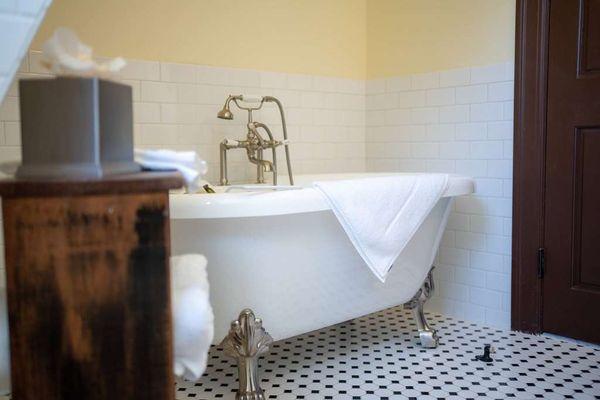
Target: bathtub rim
column 263, row 204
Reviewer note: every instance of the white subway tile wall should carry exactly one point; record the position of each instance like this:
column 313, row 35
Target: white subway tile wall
column 456, row 121
column 176, row 105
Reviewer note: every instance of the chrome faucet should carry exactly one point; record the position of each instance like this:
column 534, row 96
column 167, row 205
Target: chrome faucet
column 255, row 143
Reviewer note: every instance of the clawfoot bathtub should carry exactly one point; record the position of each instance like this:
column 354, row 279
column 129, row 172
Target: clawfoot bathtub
column 284, row 255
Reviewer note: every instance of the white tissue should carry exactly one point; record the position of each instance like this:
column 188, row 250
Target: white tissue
column 65, row 54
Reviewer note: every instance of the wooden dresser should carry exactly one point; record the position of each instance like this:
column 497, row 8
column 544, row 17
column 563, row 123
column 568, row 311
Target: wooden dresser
column 88, row 287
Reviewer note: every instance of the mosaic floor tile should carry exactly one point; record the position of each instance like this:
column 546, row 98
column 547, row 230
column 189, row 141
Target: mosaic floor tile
column 378, row 357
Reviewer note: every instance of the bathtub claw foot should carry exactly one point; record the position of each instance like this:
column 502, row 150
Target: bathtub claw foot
column 427, row 334
column 246, row 341
column 429, row 338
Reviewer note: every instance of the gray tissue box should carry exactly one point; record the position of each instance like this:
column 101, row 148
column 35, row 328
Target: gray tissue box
column 75, row 128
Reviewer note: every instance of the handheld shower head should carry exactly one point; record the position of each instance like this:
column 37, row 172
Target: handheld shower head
column 225, row 112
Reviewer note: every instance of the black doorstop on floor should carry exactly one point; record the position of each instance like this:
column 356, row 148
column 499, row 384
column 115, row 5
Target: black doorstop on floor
column 485, row 357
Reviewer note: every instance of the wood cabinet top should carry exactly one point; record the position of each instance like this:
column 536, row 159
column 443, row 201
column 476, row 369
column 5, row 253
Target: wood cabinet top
column 114, row 184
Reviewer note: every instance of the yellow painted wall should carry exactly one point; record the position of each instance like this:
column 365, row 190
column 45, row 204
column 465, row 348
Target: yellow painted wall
column 346, row 38
column 412, row 36
column 322, row 37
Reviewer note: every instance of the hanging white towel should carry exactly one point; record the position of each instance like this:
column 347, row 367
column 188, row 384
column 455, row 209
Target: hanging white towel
column 193, row 320
column 380, row 215
column 187, row 163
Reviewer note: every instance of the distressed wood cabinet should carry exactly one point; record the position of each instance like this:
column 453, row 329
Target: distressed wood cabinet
column 88, row 287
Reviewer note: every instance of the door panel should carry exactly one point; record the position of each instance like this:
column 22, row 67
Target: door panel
column 586, row 235
column 571, row 286
column 589, row 37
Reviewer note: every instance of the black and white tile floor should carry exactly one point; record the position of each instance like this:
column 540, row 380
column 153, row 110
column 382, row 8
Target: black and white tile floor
column 377, row 357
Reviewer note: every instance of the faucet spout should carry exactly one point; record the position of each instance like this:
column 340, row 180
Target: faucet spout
column 266, row 165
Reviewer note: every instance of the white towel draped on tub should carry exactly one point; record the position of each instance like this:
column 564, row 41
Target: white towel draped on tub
column 380, row 215
column 192, row 320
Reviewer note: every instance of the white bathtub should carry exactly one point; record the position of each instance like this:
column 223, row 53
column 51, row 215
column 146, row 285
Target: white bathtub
column 284, row 255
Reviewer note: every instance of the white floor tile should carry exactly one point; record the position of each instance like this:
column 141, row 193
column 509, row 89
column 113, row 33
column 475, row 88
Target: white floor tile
column 378, row 357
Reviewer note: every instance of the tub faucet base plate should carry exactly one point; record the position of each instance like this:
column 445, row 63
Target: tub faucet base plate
column 246, row 341
column 427, row 334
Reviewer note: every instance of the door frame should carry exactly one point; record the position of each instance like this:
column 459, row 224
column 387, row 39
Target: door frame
column 531, row 81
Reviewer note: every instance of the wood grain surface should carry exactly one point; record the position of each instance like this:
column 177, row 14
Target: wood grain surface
column 88, row 295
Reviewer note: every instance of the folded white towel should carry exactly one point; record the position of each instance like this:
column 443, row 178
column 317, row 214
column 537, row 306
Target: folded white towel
column 380, row 215
column 187, row 163
column 193, row 320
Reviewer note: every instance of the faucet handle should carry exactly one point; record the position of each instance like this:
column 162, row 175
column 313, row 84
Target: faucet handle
column 276, row 143
column 230, row 142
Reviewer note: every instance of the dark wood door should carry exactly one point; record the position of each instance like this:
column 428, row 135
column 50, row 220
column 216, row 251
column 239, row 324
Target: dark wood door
column 571, row 282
